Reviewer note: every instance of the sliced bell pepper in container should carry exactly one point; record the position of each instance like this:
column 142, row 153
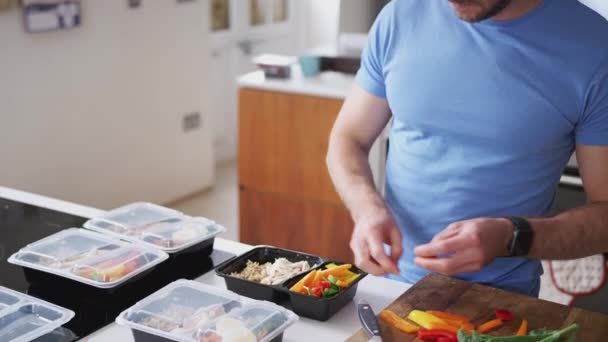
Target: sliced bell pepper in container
column 433, row 335
column 336, row 271
column 305, row 281
column 424, row 319
column 398, row 323
column 523, row 328
column 504, row 315
column 487, row 326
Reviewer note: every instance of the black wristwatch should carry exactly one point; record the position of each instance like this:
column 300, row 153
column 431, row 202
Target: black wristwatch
column 523, row 235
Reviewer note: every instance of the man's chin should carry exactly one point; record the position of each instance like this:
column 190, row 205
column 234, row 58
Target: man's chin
column 467, row 11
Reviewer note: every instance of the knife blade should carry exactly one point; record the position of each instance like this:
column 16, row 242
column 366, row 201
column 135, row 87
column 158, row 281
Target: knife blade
column 368, row 320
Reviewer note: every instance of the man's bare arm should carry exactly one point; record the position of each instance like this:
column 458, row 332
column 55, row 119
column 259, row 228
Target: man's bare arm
column 583, row 231
column 359, row 123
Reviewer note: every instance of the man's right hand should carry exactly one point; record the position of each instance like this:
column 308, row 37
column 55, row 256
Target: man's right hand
column 374, row 229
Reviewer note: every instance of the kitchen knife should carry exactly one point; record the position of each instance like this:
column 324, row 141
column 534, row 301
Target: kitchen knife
column 369, row 321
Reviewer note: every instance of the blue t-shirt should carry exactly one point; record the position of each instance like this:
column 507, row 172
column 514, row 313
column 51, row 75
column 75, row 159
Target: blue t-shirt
column 486, row 116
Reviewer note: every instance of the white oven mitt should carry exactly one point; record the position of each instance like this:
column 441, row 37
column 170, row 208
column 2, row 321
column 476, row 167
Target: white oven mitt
column 579, row 277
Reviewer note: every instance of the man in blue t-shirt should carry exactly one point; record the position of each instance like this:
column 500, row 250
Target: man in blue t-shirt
column 489, row 99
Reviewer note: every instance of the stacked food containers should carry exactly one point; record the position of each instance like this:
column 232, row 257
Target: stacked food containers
column 86, row 257
column 268, row 273
column 168, row 230
column 24, row 318
column 190, row 311
column 118, row 247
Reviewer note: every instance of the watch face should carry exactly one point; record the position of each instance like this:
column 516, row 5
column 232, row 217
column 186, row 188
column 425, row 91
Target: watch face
column 522, row 237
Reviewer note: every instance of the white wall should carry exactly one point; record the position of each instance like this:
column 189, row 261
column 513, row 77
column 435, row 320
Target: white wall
column 322, row 25
column 93, row 115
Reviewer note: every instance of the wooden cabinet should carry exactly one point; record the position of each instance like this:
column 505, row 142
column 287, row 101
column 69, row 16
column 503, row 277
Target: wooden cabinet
column 286, row 196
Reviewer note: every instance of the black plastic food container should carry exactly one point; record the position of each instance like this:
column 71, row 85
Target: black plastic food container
column 34, row 276
column 141, row 336
column 307, row 306
column 322, row 309
column 262, row 254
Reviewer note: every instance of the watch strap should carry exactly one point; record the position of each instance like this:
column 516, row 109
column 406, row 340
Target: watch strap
column 523, row 235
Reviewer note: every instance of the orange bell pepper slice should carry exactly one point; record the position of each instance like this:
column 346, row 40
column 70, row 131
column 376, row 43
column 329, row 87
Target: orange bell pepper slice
column 444, row 327
column 487, row 326
column 449, row 316
column 336, row 271
column 467, row 326
column 399, row 323
column 305, row 281
column 523, row 328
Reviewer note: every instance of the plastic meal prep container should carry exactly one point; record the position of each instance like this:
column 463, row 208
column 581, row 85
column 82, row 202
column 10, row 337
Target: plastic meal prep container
column 24, row 318
column 86, row 257
column 166, row 229
column 320, row 309
column 261, row 255
column 191, row 312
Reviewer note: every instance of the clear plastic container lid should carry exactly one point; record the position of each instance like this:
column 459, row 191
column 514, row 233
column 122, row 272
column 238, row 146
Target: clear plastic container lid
column 255, row 322
column 24, row 318
column 88, row 257
column 160, row 227
column 189, row 311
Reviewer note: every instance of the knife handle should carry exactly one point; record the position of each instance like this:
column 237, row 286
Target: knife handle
column 368, row 318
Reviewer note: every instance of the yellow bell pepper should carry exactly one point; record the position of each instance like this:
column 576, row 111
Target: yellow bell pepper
column 424, row 319
column 305, row 281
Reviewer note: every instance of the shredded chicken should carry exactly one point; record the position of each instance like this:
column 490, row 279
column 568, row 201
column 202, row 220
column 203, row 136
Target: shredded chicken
column 272, row 273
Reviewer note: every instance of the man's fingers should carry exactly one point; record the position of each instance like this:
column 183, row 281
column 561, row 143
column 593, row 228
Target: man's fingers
column 447, row 233
column 467, row 261
column 396, row 242
column 363, row 259
column 456, row 243
column 376, row 248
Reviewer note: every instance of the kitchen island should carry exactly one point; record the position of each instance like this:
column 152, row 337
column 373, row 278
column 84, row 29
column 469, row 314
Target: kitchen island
column 379, row 292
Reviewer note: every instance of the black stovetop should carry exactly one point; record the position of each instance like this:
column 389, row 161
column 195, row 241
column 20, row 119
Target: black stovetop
column 21, row 224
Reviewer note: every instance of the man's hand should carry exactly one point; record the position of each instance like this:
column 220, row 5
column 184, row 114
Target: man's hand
column 465, row 246
column 372, row 230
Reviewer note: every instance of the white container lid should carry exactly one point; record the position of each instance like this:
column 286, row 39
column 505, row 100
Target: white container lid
column 255, row 322
column 156, row 226
column 24, row 318
column 88, row 257
column 186, row 310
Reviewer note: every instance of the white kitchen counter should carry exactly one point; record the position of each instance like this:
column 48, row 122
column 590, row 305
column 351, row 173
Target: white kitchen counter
column 327, row 84
column 379, row 292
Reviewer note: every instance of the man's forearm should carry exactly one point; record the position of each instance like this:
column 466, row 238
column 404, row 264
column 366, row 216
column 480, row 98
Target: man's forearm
column 352, row 176
column 573, row 234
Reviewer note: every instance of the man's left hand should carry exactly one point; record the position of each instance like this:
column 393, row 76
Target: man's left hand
column 465, row 246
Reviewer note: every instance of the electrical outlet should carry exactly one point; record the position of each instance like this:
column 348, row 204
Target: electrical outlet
column 192, row 121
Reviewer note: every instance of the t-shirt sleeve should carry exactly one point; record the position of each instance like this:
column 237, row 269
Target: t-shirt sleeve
column 370, row 76
column 592, row 129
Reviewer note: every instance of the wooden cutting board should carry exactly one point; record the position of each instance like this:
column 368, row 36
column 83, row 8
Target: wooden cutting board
column 436, row 292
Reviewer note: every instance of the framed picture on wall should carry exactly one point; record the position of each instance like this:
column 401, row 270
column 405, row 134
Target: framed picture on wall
column 51, row 15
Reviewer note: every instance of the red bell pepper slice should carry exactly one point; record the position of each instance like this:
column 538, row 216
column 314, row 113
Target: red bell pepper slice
column 433, row 335
column 504, row 315
column 446, row 339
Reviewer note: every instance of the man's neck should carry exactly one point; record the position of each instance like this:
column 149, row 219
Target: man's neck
column 517, row 8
